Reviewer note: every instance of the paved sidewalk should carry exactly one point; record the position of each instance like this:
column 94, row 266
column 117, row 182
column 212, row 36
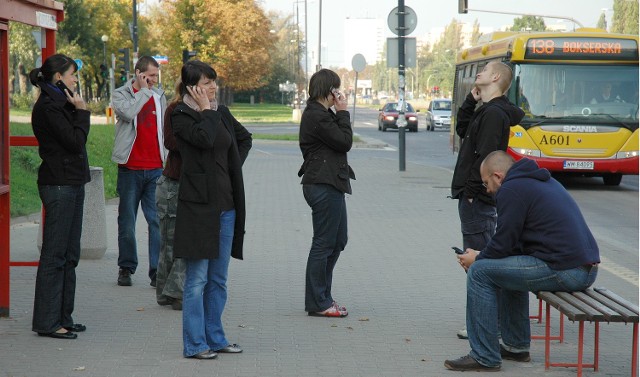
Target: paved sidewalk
column 398, row 277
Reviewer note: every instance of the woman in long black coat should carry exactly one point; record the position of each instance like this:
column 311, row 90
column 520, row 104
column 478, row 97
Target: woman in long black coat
column 211, row 208
column 60, row 122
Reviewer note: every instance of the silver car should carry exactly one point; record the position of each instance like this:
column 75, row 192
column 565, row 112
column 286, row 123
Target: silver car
column 439, row 114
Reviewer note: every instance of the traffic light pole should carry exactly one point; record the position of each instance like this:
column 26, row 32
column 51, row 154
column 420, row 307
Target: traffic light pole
column 401, row 83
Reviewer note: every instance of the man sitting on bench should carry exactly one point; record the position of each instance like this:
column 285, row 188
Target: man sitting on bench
column 542, row 243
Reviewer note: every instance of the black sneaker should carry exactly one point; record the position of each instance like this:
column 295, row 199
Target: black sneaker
column 153, row 283
column 124, row 277
column 522, row 357
column 466, row 363
column 176, row 304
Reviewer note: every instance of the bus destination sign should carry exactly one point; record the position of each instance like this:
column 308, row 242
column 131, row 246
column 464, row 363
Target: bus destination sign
column 581, row 48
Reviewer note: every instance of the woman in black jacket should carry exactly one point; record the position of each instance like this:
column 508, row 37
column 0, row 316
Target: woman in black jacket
column 325, row 138
column 210, row 216
column 60, row 122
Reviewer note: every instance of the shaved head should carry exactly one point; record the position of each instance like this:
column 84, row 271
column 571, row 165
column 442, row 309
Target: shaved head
column 505, row 72
column 497, row 161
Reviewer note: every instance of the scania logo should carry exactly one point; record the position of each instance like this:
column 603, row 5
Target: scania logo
column 579, row 129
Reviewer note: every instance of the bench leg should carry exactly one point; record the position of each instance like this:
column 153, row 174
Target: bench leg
column 580, row 347
column 596, row 346
column 547, row 337
column 539, row 316
column 561, row 328
column 634, row 349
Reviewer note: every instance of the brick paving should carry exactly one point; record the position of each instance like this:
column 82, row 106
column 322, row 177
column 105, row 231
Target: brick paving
column 398, row 277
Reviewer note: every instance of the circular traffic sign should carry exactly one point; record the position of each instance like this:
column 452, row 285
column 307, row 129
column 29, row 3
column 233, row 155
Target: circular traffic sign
column 410, row 20
column 358, row 63
column 78, row 63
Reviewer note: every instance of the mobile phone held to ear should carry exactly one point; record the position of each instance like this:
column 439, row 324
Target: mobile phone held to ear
column 63, row 87
column 457, row 250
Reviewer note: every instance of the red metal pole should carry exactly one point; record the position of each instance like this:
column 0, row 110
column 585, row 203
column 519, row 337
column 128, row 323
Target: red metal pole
column 5, row 213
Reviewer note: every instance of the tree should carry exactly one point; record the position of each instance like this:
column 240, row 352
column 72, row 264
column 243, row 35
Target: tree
column 602, row 22
column 236, row 46
column 23, row 55
column 529, row 23
column 625, row 17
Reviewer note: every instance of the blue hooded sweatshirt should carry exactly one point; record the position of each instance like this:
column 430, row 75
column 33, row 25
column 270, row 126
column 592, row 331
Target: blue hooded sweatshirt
column 538, row 217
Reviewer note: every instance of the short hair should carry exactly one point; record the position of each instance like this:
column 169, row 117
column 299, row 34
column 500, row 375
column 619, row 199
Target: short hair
column 192, row 71
column 144, row 62
column 505, row 72
column 322, row 83
column 498, row 161
column 57, row 63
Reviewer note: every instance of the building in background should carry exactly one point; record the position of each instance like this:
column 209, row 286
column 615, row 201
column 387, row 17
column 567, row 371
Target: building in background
column 364, row 36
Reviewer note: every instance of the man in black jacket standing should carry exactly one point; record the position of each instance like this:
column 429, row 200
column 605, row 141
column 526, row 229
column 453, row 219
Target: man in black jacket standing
column 482, row 131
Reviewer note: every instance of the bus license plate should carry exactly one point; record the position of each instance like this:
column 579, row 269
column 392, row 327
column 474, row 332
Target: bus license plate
column 581, row 165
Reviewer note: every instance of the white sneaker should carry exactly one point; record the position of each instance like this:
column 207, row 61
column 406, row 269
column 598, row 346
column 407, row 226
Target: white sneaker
column 462, row 334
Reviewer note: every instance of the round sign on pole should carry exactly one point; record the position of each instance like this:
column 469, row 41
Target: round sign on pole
column 358, row 62
column 410, row 20
column 79, row 63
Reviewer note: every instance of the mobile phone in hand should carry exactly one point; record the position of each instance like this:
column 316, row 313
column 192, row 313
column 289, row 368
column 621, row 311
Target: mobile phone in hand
column 457, row 250
column 63, row 87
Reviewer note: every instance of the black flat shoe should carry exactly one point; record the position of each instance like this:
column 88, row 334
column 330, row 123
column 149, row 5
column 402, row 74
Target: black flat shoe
column 59, row 335
column 76, row 327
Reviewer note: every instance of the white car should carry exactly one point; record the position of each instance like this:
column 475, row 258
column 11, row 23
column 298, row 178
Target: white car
column 439, row 114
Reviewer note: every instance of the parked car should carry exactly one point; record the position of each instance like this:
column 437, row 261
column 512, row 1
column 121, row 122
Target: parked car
column 439, row 114
column 388, row 117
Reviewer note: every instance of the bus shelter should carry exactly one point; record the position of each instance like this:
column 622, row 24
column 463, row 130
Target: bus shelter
column 45, row 14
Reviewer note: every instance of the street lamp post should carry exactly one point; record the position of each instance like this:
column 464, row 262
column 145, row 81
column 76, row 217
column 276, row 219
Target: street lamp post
column 105, row 39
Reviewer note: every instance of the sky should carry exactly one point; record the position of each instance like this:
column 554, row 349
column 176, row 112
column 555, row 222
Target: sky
column 430, row 14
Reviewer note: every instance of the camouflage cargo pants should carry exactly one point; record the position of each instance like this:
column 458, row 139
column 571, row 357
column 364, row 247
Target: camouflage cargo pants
column 171, row 272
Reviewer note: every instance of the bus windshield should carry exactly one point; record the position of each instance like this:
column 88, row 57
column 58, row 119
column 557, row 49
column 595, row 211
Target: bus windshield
column 579, row 94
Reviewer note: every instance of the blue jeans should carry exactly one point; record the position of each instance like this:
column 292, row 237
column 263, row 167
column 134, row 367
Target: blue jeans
column 477, row 222
column 329, row 213
column 511, row 279
column 56, row 277
column 137, row 187
column 205, row 295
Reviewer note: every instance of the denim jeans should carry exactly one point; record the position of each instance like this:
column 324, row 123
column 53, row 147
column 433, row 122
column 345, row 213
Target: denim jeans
column 171, row 272
column 56, row 277
column 205, row 295
column 477, row 222
column 137, row 187
column 511, row 279
column 329, row 213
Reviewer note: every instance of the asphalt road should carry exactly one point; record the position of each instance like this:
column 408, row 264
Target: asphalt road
column 612, row 212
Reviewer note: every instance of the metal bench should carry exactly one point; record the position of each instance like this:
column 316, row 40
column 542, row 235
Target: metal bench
column 593, row 305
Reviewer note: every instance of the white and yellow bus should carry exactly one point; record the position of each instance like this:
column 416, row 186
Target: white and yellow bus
column 579, row 91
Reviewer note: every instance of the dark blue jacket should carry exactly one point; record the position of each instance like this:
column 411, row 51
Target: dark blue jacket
column 538, row 217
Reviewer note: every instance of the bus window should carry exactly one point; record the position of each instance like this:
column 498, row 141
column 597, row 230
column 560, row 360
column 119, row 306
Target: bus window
column 565, row 91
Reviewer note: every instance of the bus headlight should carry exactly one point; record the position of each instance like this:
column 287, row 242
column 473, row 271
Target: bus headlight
column 627, row 154
column 527, row 152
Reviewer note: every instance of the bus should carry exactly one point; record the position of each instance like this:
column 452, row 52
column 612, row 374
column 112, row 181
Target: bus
column 579, row 91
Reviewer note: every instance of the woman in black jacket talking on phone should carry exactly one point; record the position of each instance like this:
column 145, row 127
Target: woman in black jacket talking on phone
column 60, row 122
column 325, row 138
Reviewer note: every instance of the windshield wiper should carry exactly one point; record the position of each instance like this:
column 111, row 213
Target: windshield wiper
column 630, row 127
column 541, row 119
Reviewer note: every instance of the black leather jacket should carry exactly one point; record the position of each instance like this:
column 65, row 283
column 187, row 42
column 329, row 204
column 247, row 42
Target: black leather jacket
column 325, row 139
